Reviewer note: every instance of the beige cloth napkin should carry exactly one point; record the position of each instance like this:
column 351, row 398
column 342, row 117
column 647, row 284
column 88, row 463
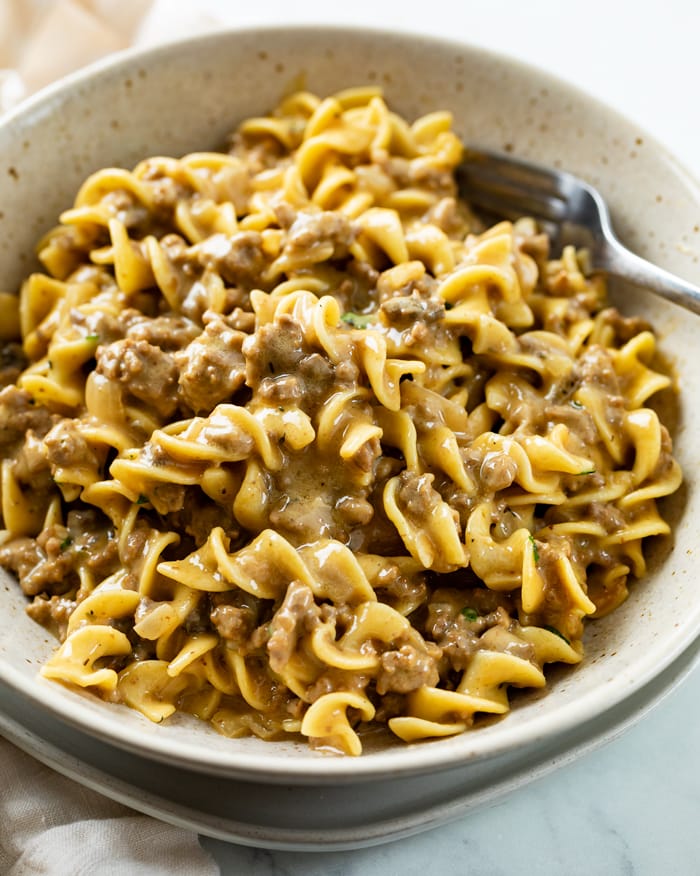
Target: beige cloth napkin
column 42, row 40
column 51, row 825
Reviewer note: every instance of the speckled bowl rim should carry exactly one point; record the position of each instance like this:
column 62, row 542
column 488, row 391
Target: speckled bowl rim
column 271, row 766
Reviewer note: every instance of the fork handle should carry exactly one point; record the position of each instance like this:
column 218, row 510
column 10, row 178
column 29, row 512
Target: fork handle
column 619, row 261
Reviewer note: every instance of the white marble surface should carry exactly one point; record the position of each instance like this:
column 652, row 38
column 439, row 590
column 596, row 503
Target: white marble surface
column 632, row 807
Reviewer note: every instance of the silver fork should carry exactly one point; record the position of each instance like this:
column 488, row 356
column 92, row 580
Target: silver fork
column 570, row 210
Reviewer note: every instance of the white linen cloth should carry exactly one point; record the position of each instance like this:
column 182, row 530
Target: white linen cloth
column 50, row 825
column 42, row 40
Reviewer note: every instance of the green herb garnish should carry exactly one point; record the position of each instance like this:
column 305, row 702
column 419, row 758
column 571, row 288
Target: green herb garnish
column 557, row 633
column 94, row 338
column 535, row 552
column 358, row 320
column 142, row 500
column 470, row 614
column 66, row 543
column 576, row 404
column 587, row 472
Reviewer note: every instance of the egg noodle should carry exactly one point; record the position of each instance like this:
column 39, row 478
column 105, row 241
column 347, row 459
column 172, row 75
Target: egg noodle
column 294, row 445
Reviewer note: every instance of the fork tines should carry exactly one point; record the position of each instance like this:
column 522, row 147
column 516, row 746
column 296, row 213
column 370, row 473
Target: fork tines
column 510, row 189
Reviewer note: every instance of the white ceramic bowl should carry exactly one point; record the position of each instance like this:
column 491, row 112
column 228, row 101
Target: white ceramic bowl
column 187, row 96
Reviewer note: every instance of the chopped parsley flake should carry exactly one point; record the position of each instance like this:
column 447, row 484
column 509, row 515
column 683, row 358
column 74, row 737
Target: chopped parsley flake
column 142, row 499
column 576, row 404
column 470, row 614
column 66, row 543
column 358, row 320
column 535, row 552
column 94, row 338
column 588, row 471
column 557, row 633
